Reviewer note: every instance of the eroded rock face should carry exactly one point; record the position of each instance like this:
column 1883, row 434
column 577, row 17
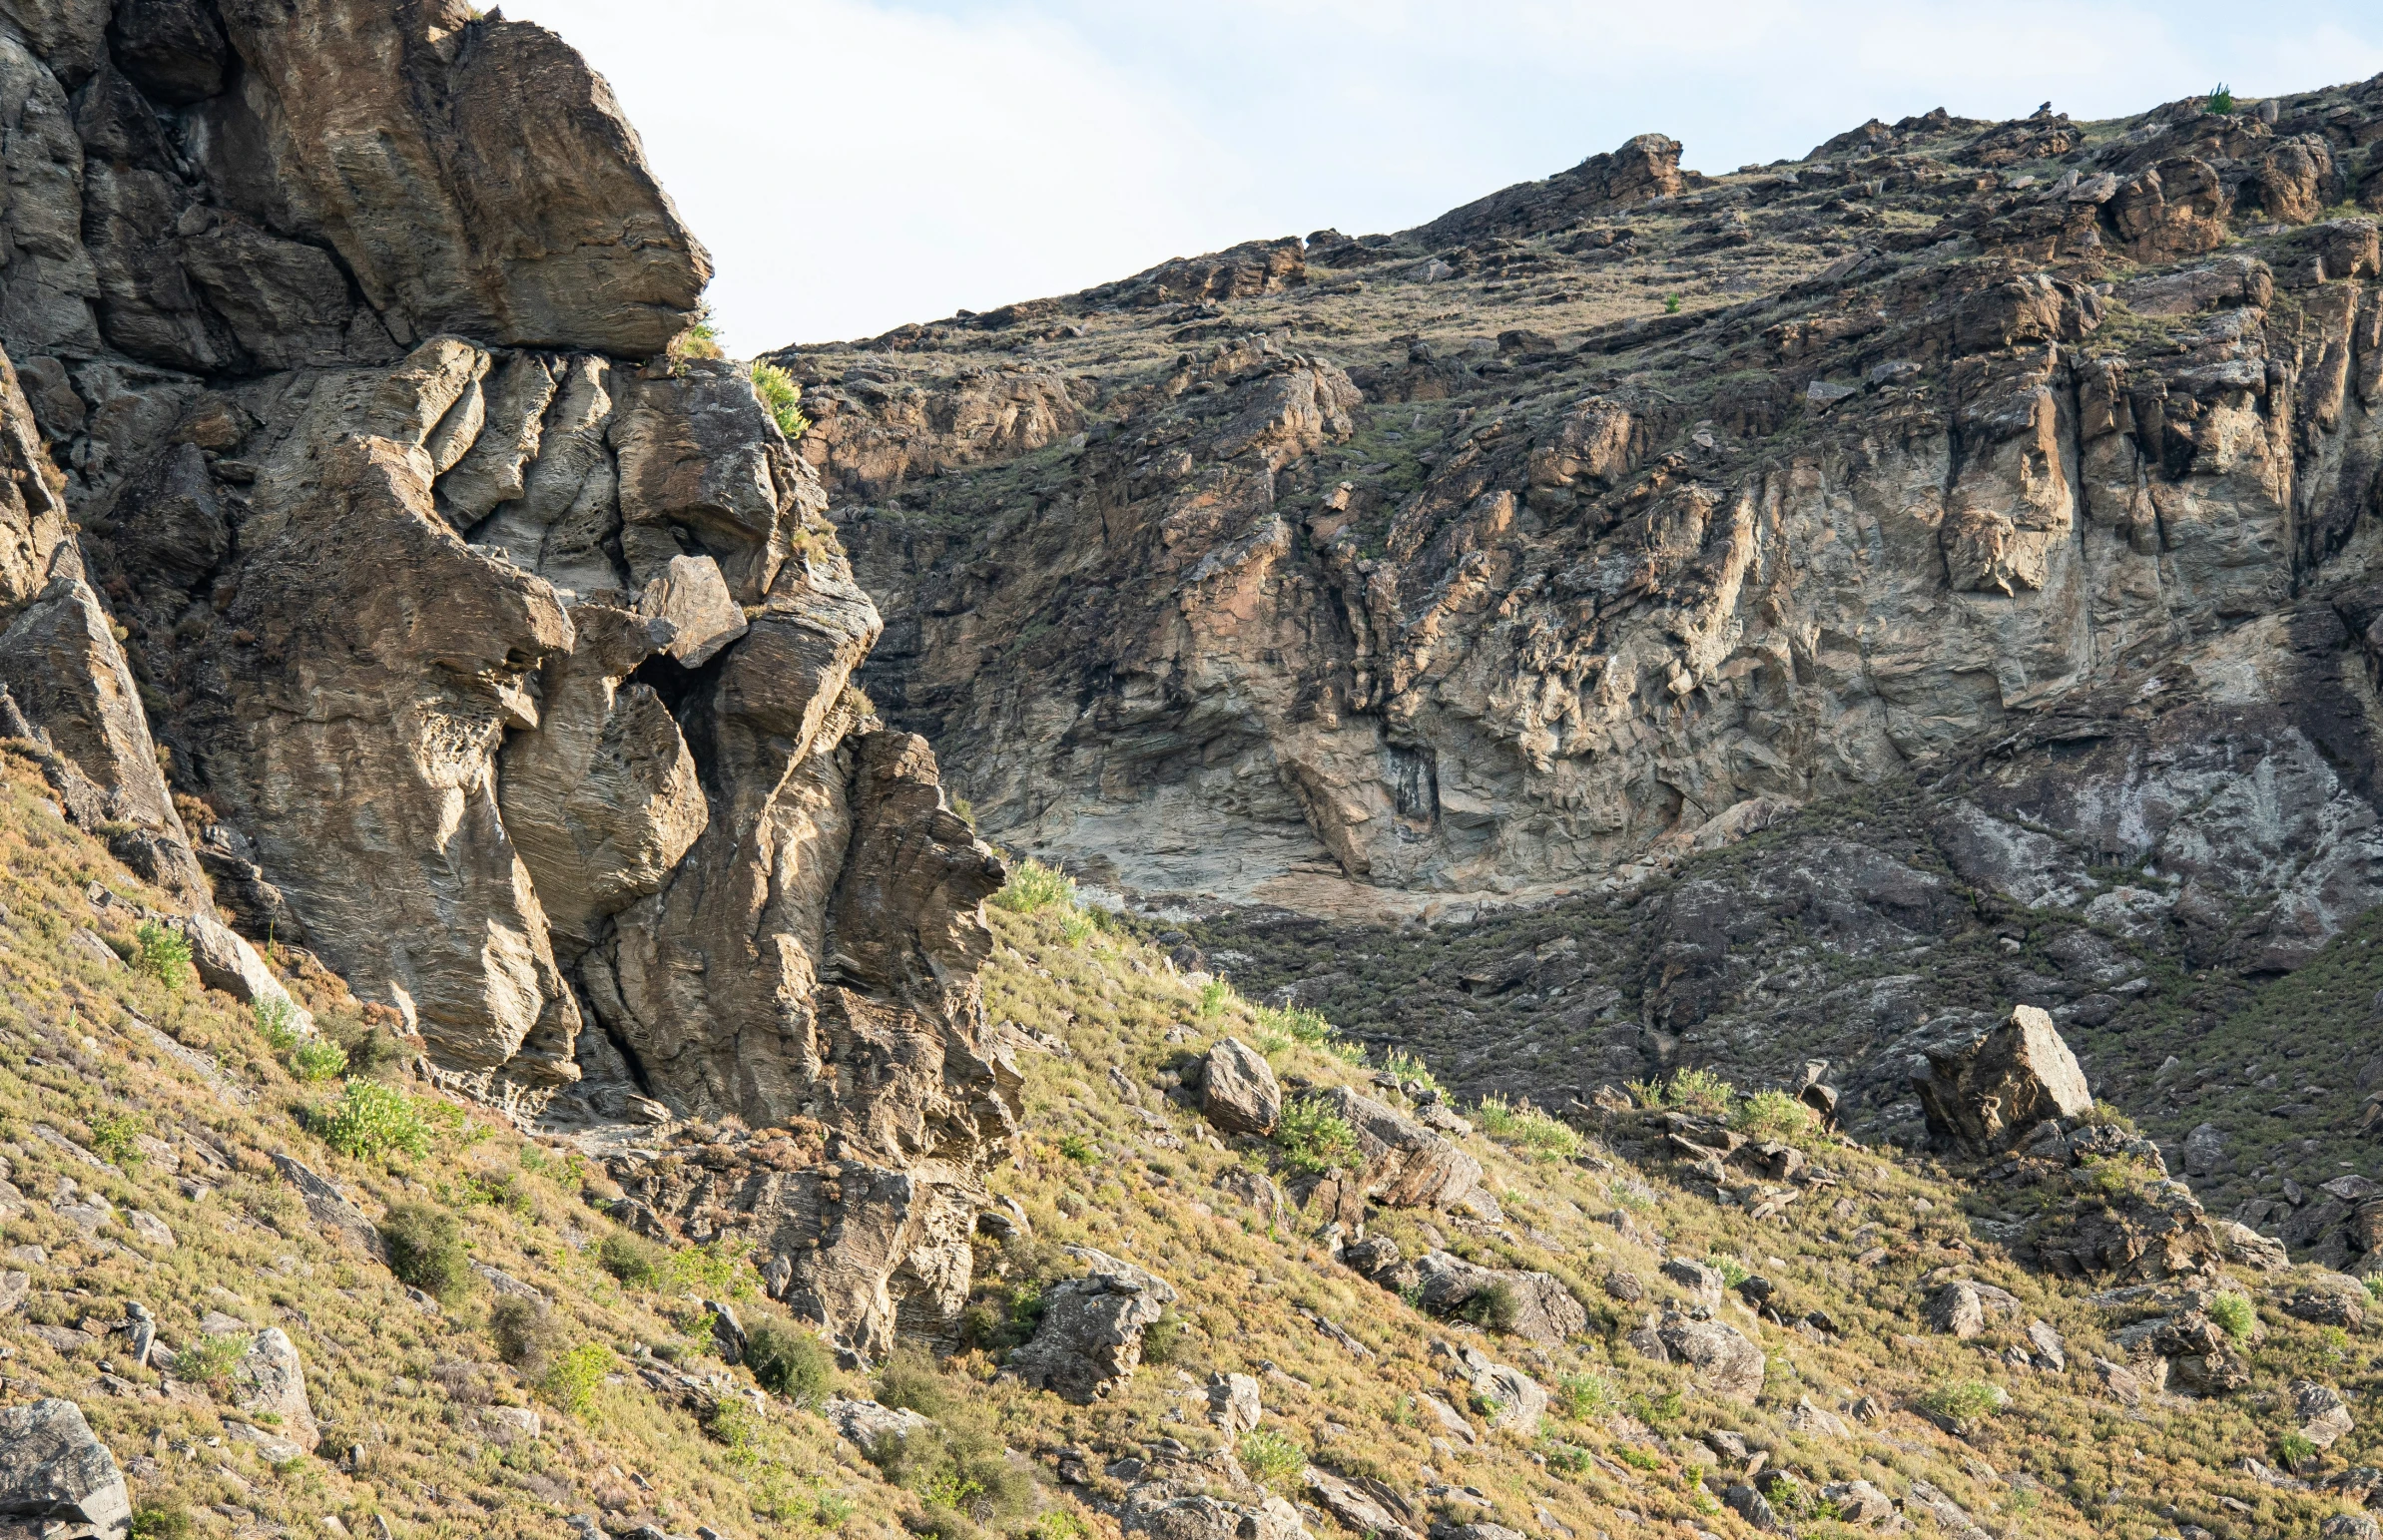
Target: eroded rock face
column 55, row 1472
column 1405, row 1164
column 1995, row 1091
column 1090, row 1337
column 1238, row 1092
column 509, row 654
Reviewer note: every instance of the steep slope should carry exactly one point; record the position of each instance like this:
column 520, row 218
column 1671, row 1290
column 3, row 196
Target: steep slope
column 1692, row 1344
column 486, row 630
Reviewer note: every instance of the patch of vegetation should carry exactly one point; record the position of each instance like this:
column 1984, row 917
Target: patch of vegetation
column 115, row 1137
column 1315, row 1139
column 571, row 1381
column 1528, row 1129
column 317, row 1058
column 2221, row 102
column 2234, row 1315
column 1774, row 1114
column 209, row 1361
column 163, row 953
column 425, row 1249
column 1964, row 1403
column 790, row 1361
column 372, row 1118
column 1271, row 1459
column 1032, row 886
column 526, row 1334
column 631, row 1258
column 1493, row 1307
column 781, row 395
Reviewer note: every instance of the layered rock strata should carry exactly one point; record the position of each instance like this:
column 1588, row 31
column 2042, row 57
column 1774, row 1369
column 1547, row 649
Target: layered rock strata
column 498, row 646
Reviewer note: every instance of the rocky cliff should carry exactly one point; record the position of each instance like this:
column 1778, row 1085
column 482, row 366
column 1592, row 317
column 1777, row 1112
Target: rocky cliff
column 437, row 610
column 1619, row 515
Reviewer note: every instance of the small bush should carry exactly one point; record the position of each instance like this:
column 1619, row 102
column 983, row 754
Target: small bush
column 1162, row 1339
column 1566, row 1459
column 1077, row 927
column 1409, row 1068
column 958, row 1467
column 2233, row 1312
column 1528, row 1129
column 782, row 396
column 1775, row 1114
column 370, row 1048
column 112, row 1135
column 163, row 953
column 1695, row 1090
column 526, row 1334
column 631, row 1258
column 1495, row 1307
column 276, row 1023
column 1077, row 1148
column 1582, row 1397
column 1032, row 886
column 372, row 1118
column 2297, row 1450
column 788, row 1361
column 1732, row 1271
column 317, row 1058
column 1215, row 995
column 718, row 1270
column 425, row 1246
column 207, row 1361
column 163, row 1524
column 1964, row 1403
column 1270, row 1459
column 910, row 1382
column 1315, row 1139
column 570, row 1381
column 1298, row 1023
column 2219, row 103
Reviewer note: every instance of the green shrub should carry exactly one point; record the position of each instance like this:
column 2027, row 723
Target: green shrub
column 1775, row 1114
column 570, row 1381
column 370, row 1049
column 1298, row 1023
column 1032, row 886
column 163, row 953
column 1964, row 1403
column 1672, row 304
column 958, row 1465
column 317, row 1058
column 1270, row 1459
column 716, row 1269
column 1077, row 1148
column 2221, row 102
column 1695, row 1090
column 1732, row 1273
column 1215, row 995
column 631, row 1258
column 156, row 1523
column 207, row 1361
column 2233, row 1312
column 276, row 1023
column 1162, row 1339
column 112, row 1135
column 2297, row 1450
column 1077, row 927
column 372, row 1118
column 1493, row 1308
column 1564, row 1459
column 1314, row 1138
column 782, row 396
column 788, row 1361
column 526, row 1334
column 1528, row 1129
column 1582, row 1397
column 1408, row 1067
column 425, row 1249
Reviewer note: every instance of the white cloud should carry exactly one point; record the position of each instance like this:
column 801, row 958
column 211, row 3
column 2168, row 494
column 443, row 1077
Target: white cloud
column 855, row 164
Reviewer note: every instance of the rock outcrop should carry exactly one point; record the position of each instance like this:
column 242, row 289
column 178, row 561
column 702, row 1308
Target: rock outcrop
column 1238, row 1092
column 502, row 641
column 1090, row 1337
column 1993, row 1092
column 56, row 1474
column 1406, row 1164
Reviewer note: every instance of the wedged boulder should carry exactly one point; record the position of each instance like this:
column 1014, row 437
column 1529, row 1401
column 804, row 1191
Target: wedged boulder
column 224, row 959
column 1544, row 1309
column 693, row 598
column 869, row 1424
column 269, row 1383
column 1718, row 1356
column 1957, row 1311
column 55, row 1472
column 2323, row 1416
column 1210, row 1518
column 1859, row 1502
column 1991, row 1092
column 1090, row 1337
column 2240, row 1243
column 1233, row 1405
column 1704, row 1284
column 1238, row 1092
column 1406, row 1165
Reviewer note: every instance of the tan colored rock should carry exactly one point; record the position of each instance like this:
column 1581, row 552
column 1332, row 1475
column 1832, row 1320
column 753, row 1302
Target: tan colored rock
column 1998, row 1088
column 1238, row 1092
column 1407, row 1166
column 693, row 597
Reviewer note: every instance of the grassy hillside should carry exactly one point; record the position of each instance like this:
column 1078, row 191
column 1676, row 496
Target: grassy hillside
column 421, row 1400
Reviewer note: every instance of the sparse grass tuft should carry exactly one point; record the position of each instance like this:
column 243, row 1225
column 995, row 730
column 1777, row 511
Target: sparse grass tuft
column 2233, row 1314
column 1271, row 1459
column 1528, row 1129
column 1033, row 887
column 782, row 396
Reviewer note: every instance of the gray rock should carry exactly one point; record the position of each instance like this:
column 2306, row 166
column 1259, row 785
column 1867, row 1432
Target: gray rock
column 2240, row 1243
column 2204, row 1150
column 693, row 597
column 1720, row 1359
column 1090, row 1337
column 1957, row 1311
column 53, row 1471
column 867, row 1424
column 2321, row 1411
column 1704, row 1284
column 1754, row 1508
column 1858, row 1502
column 1238, row 1092
column 1406, row 1165
column 1546, row 1311
column 1518, row 1401
column 269, row 1383
column 1989, row 1093
column 1208, row 1518
column 1233, row 1404
column 2050, row 1353
column 1372, row 1509
column 327, row 1206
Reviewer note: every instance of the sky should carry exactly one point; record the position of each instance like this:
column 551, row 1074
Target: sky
column 853, row 165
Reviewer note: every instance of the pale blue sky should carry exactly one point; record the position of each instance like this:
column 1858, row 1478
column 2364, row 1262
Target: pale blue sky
column 855, row 164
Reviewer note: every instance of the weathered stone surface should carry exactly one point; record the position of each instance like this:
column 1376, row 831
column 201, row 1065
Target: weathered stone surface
column 1957, row 1311
column 1519, row 1399
column 1718, row 1357
column 269, row 1383
column 2241, row 1244
column 2318, row 1409
column 1992, row 1092
column 693, row 597
column 869, row 1424
column 1238, row 1092
column 1233, row 1404
column 1544, row 1309
column 1210, row 1518
column 329, row 1207
column 1090, row 1337
column 1705, row 1285
column 1406, row 1165
column 1370, row 1509
column 54, row 1471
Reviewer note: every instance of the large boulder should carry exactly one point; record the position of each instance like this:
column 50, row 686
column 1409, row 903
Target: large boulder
column 1989, row 1093
column 1362, row 1506
column 270, row 1385
column 1513, row 1398
column 1407, row 1166
column 1090, row 1337
column 1238, row 1092
column 1202, row 1517
column 1719, row 1358
column 54, row 1472
column 1543, row 1309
